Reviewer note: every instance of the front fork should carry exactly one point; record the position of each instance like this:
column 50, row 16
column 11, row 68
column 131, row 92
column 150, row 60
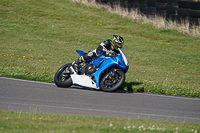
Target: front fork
column 69, row 70
column 72, row 70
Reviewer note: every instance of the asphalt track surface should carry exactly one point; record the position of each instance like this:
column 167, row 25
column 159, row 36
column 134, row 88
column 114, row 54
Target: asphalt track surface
column 39, row 97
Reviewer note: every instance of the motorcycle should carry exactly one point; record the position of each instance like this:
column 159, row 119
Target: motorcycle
column 104, row 72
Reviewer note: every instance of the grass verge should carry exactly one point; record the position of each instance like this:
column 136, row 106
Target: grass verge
column 182, row 26
column 31, row 122
column 37, row 37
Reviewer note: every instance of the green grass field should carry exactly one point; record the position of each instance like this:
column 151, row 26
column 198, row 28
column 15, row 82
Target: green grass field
column 13, row 122
column 39, row 36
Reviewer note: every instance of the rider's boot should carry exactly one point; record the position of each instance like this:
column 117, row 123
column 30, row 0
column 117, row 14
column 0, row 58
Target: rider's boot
column 76, row 63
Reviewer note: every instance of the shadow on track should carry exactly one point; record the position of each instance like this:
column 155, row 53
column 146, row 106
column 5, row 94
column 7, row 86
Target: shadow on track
column 130, row 87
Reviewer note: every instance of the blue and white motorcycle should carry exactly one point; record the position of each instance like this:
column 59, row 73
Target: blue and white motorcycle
column 104, row 72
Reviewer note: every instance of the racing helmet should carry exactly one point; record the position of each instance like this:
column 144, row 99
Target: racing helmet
column 117, row 41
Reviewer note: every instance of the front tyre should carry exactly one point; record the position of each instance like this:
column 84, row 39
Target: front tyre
column 62, row 77
column 112, row 81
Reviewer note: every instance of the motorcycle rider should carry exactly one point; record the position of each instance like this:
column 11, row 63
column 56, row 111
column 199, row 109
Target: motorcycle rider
column 108, row 47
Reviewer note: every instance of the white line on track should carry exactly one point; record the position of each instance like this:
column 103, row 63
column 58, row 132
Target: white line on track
column 149, row 94
column 29, row 81
column 105, row 111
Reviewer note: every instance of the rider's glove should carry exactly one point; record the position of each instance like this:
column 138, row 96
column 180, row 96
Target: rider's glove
column 109, row 53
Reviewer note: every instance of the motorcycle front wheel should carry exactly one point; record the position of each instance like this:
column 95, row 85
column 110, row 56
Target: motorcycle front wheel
column 112, row 81
column 62, row 77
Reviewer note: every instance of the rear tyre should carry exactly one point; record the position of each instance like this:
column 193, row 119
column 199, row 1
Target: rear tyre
column 62, row 77
column 112, row 81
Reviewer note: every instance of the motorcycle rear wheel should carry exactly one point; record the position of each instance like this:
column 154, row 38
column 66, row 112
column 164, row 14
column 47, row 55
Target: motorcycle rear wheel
column 61, row 78
column 112, row 82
